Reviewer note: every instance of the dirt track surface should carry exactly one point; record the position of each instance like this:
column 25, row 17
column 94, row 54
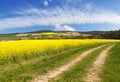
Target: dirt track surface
column 93, row 73
column 60, row 70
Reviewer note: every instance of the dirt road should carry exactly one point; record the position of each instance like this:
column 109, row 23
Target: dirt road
column 60, row 70
column 93, row 72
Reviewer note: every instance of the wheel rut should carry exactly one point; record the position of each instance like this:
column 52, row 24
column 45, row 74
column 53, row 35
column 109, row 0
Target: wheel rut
column 93, row 72
column 61, row 69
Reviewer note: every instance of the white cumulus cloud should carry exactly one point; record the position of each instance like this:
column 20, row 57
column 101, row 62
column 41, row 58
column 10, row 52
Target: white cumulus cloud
column 68, row 28
column 59, row 27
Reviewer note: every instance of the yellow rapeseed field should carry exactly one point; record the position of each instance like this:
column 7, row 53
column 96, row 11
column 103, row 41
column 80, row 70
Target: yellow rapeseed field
column 20, row 60
column 12, row 48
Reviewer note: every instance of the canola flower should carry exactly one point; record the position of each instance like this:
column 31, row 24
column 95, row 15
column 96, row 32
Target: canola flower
column 48, row 33
column 18, row 48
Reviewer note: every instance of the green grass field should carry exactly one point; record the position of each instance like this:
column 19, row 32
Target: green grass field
column 111, row 69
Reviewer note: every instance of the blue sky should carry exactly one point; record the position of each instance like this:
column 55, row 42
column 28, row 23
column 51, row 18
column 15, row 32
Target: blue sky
column 59, row 15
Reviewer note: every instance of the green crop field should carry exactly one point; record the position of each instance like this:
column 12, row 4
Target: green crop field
column 111, row 69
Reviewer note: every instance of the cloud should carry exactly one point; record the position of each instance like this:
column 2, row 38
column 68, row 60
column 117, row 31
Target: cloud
column 68, row 28
column 63, row 17
column 45, row 3
column 88, row 6
column 58, row 27
column 71, row 3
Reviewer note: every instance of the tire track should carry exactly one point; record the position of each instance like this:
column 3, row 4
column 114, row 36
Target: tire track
column 60, row 70
column 93, row 73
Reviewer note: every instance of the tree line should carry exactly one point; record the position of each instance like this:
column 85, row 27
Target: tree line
column 111, row 35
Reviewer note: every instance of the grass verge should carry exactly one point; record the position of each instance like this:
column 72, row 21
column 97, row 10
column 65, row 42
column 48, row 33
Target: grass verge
column 111, row 68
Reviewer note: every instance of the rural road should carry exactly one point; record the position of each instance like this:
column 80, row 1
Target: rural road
column 93, row 73
column 60, row 70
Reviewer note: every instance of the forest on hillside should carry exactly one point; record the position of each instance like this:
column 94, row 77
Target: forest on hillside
column 111, row 35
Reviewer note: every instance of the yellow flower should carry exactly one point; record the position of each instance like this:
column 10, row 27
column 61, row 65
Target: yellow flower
column 11, row 48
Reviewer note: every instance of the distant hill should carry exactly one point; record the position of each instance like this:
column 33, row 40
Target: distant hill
column 42, row 34
column 40, row 31
column 94, row 32
column 111, row 35
column 48, row 34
